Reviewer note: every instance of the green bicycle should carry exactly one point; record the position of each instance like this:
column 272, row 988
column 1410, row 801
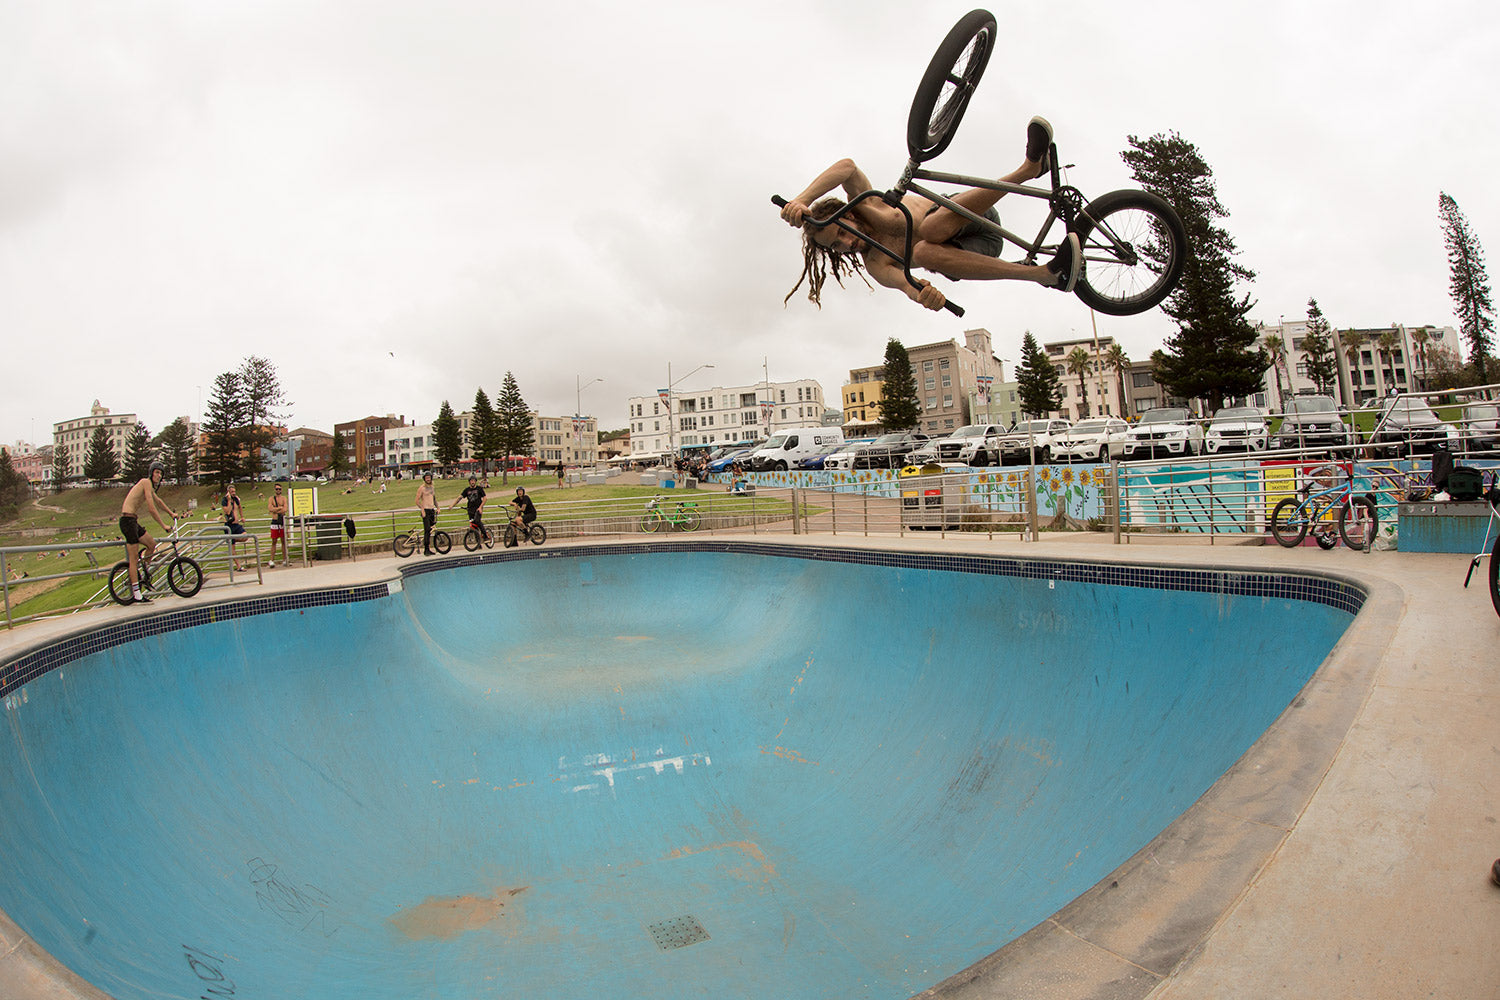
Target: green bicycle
column 685, row 517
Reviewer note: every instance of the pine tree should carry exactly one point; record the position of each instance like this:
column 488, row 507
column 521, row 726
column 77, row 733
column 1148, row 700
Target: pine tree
column 483, row 444
column 1469, row 285
column 1210, row 356
column 176, row 444
column 1322, row 366
column 138, row 455
column 100, row 463
column 338, row 455
column 226, row 428
column 14, row 489
column 447, row 437
column 62, row 469
column 263, row 398
column 1038, row 382
column 899, row 406
column 513, row 420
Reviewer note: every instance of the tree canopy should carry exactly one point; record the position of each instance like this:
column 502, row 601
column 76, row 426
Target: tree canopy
column 1469, row 286
column 512, row 421
column 900, row 408
column 1038, row 382
column 447, row 437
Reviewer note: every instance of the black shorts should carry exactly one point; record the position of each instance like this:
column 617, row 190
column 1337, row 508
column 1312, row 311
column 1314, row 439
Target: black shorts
column 131, row 529
column 234, row 528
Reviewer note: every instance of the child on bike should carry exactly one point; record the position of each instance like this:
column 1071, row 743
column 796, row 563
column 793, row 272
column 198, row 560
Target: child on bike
column 473, row 496
column 142, row 494
column 523, row 512
column 944, row 242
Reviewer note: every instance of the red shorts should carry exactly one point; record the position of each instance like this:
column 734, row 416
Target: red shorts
column 275, row 533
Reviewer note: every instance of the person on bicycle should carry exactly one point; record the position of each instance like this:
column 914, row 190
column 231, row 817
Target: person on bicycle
column 945, row 242
column 473, row 496
column 427, row 505
column 142, row 493
column 523, row 512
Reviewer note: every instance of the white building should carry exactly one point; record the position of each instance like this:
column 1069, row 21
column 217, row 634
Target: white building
column 722, row 415
column 569, row 440
column 70, row 438
column 1098, row 394
column 1370, row 374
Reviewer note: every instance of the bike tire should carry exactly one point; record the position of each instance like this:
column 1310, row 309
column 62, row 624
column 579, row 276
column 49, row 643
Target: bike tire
column 471, row 540
column 650, row 522
column 537, row 534
column 1134, row 250
column 119, row 583
column 690, row 520
column 1326, row 535
column 184, row 576
column 442, row 541
column 404, row 545
column 489, row 538
column 949, row 82
column 1495, row 575
column 1288, row 523
column 1358, row 521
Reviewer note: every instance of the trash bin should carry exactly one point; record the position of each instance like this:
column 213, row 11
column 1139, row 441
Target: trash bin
column 927, row 499
column 328, row 536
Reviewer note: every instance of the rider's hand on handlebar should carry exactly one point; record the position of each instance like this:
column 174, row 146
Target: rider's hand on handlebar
column 929, row 297
column 793, row 212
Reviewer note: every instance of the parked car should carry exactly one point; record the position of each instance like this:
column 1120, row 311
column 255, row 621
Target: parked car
column 1091, row 441
column 1030, row 437
column 815, row 462
column 741, row 455
column 1480, row 427
column 1237, row 428
column 974, row 444
column 1405, row 425
column 843, row 459
column 1313, row 422
column 1167, row 429
column 888, row 451
column 786, row 448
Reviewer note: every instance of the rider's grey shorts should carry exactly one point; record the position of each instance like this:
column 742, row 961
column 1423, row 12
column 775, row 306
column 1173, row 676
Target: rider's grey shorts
column 976, row 239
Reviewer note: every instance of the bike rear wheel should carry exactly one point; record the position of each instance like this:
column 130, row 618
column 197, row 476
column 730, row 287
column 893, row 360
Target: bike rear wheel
column 1288, row 523
column 1134, row 250
column 690, row 520
column 404, row 545
column 119, row 583
column 943, row 95
column 1495, row 575
column 442, row 541
column 184, row 576
column 1357, row 523
column 651, row 522
column 537, row 534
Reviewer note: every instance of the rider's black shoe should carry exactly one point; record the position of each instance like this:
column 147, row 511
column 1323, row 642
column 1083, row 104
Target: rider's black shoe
column 1039, row 142
column 1067, row 263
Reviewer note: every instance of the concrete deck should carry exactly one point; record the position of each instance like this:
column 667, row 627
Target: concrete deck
column 1347, row 855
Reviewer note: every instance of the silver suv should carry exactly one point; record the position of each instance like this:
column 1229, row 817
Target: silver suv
column 971, row 445
column 1028, row 437
column 1313, row 422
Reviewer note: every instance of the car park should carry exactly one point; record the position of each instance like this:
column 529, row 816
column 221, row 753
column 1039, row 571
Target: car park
column 1091, row 441
column 814, row 463
column 1237, row 428
column 843, row 459
column 1030, row 438
column 1406, row 425
column 1169, row 430
column 1313, row 422
column 888, row 451
column 784, row 449
column 1480, row 427
column 974, row 444
column 724, row 464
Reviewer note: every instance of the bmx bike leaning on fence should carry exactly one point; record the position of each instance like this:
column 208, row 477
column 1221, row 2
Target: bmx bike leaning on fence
column 685, row 517
column 1134, row 245
column 182, row 575
column 1329, row 510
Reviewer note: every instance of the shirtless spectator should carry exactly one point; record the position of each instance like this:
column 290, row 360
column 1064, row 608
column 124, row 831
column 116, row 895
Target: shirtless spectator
column 277, row 507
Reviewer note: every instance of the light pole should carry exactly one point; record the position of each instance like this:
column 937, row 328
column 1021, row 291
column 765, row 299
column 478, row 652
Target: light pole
column 671, row 421
column 578, row 397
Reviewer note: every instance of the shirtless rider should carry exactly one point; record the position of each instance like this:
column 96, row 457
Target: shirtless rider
column 143, row 492
column 945, row 242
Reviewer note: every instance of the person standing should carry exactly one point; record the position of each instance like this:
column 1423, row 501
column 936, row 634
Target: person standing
column 561, row 473
column 277, row 506
column 234, row 521
column 427, row 504
column 142, row 493
column 473, row 496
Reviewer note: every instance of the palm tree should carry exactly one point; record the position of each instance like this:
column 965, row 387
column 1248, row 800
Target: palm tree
column 1354, row 342
column 1276, row 348
column 1420, row 338
column 1388, row 343
column 1078, row 364
column 1116, row 360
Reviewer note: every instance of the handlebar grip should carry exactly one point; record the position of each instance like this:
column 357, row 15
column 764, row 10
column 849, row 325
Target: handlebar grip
column 778, row 201
column 954, row 308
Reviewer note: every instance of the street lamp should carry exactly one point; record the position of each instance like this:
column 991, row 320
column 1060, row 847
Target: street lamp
column 671, row 421
column 578, row 397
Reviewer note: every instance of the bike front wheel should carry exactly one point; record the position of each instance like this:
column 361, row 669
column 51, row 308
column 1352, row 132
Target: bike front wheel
column 184, row 576
column 943, row 95
column 651, row 522
column 1134, row 250
column 442, row 541
column 1495, row 576
column 1288, row 523
column 404, row 545
column 471, row 540
column 1357, row 523
column 537, row 534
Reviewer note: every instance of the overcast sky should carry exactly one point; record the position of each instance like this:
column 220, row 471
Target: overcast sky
column 398, row 202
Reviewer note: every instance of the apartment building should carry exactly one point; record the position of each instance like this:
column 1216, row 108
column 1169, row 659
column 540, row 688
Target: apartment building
column 1097, row 393
column 1371, row 372
column 723, row 415
column 70, row 438
column 949, row 378
column 364, row 441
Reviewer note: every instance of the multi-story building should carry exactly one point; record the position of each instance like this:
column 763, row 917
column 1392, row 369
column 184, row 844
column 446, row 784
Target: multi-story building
column 723, row 415
column 861, row 396
column 70, row 438
column 1099, row 393
column 998, row 403
column 32, row 462
column 364, row 441
column 1366, row 371
column 279, row 459
column 949, row 378
column 565, row 440
column 314, row 450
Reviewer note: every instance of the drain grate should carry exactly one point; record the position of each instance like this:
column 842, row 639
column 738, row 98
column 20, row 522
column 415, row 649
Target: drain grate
column 679, row 932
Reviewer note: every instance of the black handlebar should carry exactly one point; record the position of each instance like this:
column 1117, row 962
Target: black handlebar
column 836, row 220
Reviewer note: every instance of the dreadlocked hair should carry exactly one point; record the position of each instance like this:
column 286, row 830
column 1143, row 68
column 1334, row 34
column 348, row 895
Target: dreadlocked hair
column 818, row 261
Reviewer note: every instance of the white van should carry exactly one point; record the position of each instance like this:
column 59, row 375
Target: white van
column 786, row 448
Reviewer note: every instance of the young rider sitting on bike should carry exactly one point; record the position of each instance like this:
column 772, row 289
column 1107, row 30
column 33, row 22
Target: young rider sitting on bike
column 523, row 513
column 142, row 495
column 474, row 497
column 945, row 242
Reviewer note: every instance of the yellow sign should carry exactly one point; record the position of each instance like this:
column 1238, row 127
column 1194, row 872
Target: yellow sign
column 304, row 501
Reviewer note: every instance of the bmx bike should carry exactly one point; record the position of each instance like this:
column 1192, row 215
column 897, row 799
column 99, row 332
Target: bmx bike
column 1134, row 244
column 1493, row 496
column 535, row 533
column 1327, row 509
column 182, row 575
column 406, row 544
column 478, row 534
